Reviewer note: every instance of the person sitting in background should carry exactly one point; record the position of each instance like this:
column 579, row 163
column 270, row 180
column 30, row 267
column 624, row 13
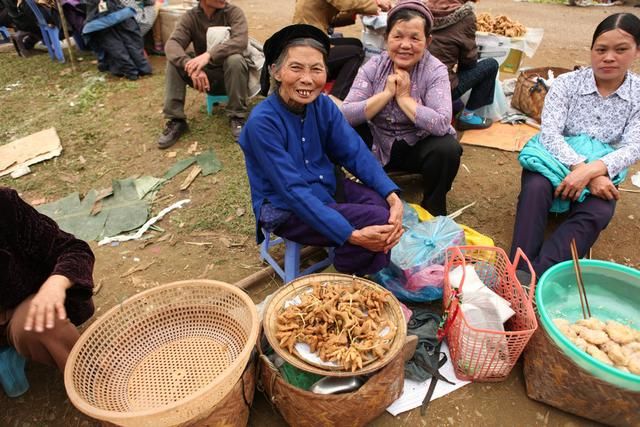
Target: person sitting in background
column 222, row 69
column 46, row 283
column 603, row 103
column 454, row 43
column 21, row 18
column 346, row 54
column 401, row 103
column 290, row 144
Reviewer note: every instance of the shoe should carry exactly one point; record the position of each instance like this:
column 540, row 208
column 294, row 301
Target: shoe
column 172, row 132
column 473, row 121
column 18, row 45
column 157, row 49
column 236, row 124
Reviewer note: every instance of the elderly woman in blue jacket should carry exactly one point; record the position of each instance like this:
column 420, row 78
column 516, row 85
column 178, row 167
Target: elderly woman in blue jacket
column 292, row 142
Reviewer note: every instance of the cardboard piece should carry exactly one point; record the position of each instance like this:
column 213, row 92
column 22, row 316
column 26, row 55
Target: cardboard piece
column 502, row 136
column 29, row 150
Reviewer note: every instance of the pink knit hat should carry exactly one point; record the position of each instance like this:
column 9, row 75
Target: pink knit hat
column 416, row 5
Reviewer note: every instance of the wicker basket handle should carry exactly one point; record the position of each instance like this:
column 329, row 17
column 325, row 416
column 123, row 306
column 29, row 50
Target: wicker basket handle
column 514, row 266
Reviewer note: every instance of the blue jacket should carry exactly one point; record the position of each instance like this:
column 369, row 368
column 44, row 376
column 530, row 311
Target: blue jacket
column 536, row 158
column 290, row 162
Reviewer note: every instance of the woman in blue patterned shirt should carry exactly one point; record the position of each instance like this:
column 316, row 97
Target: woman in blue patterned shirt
column 601, row 102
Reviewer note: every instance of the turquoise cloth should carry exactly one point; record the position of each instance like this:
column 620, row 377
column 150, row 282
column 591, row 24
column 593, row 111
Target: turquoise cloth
column 534, row 157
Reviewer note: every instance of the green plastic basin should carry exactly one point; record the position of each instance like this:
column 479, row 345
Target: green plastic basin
column 613, row 292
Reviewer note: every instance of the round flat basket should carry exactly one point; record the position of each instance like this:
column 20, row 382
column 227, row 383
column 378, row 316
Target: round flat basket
column 165, row 356
column 392, row 312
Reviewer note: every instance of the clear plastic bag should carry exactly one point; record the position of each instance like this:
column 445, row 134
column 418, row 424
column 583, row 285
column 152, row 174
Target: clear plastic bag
column 424, row 244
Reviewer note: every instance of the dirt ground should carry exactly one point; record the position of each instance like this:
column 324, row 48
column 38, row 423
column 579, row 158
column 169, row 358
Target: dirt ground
column 109, row 128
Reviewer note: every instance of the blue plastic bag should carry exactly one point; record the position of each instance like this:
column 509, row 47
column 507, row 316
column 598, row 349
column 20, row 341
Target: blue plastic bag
column 421, row 246
column 388, row 278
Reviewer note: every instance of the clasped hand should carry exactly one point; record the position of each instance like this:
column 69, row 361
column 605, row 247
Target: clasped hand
column 398, row 84
column 194, row 68
column 583, row 175
column 381, row 238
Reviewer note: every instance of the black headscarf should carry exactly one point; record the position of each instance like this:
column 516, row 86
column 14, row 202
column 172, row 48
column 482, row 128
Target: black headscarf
column 274, row 46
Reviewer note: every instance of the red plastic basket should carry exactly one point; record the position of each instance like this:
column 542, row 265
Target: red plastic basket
column 481, row 354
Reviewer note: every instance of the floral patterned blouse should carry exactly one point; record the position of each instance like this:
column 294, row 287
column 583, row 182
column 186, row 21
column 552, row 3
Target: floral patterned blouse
column 574, row 106
column 429, row 87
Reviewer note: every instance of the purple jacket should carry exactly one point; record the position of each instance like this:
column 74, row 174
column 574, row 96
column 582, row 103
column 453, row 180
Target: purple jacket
column 429, row 87
column 32, row 248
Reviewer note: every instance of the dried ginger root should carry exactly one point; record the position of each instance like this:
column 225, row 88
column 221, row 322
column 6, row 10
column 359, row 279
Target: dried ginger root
column 634, row 364
column 612, row 342
column 620, row 333
column 501, row 25
column 340, row 324
column 591, row 323
column 599, row 354
column 614, row 351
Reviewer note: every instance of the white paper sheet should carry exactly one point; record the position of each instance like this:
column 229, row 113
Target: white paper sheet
column 414, row 392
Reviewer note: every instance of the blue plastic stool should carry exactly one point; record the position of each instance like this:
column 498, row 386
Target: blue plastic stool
column 50, row 34
column 12, row 377
column 291, row 258
column 4, row 35
column 215, row 100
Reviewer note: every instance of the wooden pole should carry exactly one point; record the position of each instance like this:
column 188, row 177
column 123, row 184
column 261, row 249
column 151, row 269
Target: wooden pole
column 262, row 274
column 63, row 21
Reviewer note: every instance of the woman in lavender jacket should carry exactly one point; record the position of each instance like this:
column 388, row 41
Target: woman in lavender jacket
column 404, row 97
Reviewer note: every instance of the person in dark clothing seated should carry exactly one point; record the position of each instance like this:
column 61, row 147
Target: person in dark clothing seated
column 290, row 144
column 21, row 18
column 346, row 54
column 46, row 283
column 454, row 43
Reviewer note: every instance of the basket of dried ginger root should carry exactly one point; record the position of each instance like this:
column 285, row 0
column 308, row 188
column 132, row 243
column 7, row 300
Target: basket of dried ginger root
column 335, row 325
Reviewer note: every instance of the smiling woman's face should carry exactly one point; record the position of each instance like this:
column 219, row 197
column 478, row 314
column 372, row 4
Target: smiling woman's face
column 613, row 54
column 407, row 42
column 302, row 76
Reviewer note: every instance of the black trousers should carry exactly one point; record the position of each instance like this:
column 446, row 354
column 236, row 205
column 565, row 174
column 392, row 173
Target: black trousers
column 481, row 79
column 436, row 158
column 344, row 61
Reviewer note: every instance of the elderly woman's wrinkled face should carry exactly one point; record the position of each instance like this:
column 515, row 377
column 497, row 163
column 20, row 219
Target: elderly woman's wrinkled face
column 407, row 42
column 302, row 76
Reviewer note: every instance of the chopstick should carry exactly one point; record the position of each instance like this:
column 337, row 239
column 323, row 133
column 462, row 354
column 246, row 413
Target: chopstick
column 581, row 290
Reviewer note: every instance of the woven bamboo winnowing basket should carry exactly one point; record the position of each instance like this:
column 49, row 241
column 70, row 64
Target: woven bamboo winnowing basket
column 302, row 408
column 163, row 357
column 553, row 378
column 303, row 284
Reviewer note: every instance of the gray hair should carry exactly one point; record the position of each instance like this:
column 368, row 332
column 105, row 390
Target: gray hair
column 277, row 65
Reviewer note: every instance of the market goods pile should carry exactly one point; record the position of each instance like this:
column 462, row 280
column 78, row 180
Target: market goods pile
column 612, row 343
column 347, row 325
column 501, row 25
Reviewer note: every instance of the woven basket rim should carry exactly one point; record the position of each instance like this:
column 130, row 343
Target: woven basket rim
column 556, row 335
column 271, row 309
column 115, row 416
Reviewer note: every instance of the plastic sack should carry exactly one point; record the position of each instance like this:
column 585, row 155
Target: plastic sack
column 476, row 294
column 424, row 244
column 471, row 236
column 389, row 279
column 496, row 110
column 432, row 276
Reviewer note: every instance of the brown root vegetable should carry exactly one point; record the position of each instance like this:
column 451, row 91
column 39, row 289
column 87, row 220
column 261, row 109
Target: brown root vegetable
column 599, row 354
column 622, row 334
column 592, row 323
column 335, row 321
